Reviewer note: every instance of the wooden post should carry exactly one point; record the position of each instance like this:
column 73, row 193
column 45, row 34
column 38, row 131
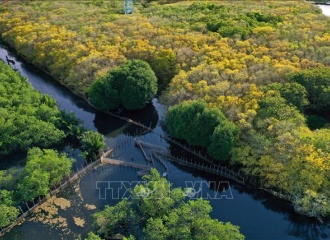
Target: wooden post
column 20, row 209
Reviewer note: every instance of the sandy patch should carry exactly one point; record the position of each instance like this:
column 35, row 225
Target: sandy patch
column 47, row 212
column 79, row 221
column 62, row 203
column 90, row 206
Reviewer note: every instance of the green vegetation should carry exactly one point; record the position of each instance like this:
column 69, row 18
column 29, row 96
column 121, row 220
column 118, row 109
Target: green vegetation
column 43, row 169
column 293, row 93
column 133, row 85
column 317, row 83
column 30, row 120
column 92, row 236
column 164, row 214
column 256, row 63
column 223, row 140
column 92, row 144
column 201, row 126
column 27, row 118
column 8, row 211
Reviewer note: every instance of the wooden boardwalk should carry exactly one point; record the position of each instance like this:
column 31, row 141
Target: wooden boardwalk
column 161, row 153
column 124, row 163
column 217, row 170
column 162, row 162
column 150, row 145
column 138, row 143
column 74, row 176
column 143, row 169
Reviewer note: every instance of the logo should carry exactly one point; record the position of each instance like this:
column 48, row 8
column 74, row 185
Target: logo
column 159, row 189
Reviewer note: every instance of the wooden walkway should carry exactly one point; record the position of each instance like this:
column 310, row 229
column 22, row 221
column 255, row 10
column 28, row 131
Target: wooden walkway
column 161, row 153
column 149, row 159
column 125, row 163
column 217, row 170
column 74, row 176
column 144, row 169
column 150, row 145
column 162, row 162
column 153, row 147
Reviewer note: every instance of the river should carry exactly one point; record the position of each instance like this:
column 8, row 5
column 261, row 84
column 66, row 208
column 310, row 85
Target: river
column 259, row 215
column 325, row 9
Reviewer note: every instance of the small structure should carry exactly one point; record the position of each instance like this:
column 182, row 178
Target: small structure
column 128, row 6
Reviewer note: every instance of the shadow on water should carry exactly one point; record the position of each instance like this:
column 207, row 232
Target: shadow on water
column 113, row 127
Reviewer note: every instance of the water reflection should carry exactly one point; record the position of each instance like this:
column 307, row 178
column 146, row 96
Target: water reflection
column 113, row 127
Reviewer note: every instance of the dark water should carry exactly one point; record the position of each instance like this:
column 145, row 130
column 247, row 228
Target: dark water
column 259, row 215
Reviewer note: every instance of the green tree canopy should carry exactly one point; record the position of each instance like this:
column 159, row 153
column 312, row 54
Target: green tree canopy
column 7, row 209
column 8, row 215
column 193, row 121
column 176, row 218
column 201, row 126
column 92, row 144
column 92, row 236
column 35, row 184
column 292, row 92
column 9, row 178
column 223, row 140
column 103, row 95
column 55, row 164
column 44, row 168
column 27, row 117
column 132, row 85
column 317, row 83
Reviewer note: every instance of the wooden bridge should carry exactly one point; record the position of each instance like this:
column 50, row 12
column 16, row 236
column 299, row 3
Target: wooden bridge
column 140, row 144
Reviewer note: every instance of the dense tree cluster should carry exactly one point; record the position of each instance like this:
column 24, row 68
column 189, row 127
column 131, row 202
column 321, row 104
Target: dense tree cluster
column 9, row 211
column 44, row 168
column 201, row 126
column 132, row 85
column 27, row 118
column 317, row 83
column 163, row 214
